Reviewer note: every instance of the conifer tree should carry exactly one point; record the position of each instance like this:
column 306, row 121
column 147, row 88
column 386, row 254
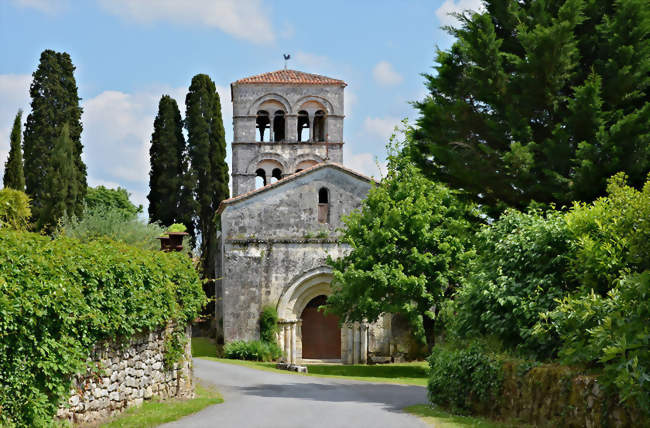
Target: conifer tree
column 167, row 154
column 54, row 103
column 207, row 178
column 539, row 101
column 14, row 177
column 61, row 192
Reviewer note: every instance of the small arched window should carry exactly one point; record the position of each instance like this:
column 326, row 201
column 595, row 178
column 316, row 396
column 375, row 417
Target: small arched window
column 276, row 175
column 262, row 123
column 319, row 126
column 278, row 126
column 323, row 205
column 260, row 178
column 303, row 126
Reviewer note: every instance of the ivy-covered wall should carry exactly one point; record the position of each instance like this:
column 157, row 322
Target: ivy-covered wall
column 122, row 375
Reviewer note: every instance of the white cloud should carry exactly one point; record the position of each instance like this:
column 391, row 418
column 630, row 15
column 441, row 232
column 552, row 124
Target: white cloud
column 14, row 93
column 382, row 127
column 365, row 163
column 248, row 20
column 349, row 100
column 385, row 74
column 46, row 6
column 456, row 6
column 310, row 61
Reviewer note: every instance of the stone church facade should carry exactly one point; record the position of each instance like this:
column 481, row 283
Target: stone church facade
column 290, row 191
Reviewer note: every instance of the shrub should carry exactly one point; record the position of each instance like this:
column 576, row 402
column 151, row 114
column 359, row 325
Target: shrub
column 521, row 269
column 59, row 297
column 255, row 350
column 268, row 324
column 103, row 198
column 176, row 228
column 111, row 223
column 463, row 378
column 14, row 209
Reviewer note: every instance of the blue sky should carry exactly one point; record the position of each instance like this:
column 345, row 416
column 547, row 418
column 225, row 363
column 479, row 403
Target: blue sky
column 130, row 52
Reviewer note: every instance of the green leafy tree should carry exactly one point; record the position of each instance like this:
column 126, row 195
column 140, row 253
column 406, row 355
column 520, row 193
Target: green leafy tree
column 539, row 100
column 101, row 197
column 207, row 178
column 167, row 156
column 55, row 104
column 409, row 245
column 60, row 194
column 14, row 177
column 14, row 209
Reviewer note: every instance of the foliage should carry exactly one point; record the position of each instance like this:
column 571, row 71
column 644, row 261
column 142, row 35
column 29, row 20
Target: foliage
column 612, row 330
column 409, row 245
column 103, row 198
column 612, row 235
column 14, row 177
column 61, row 196
column 55, row 103
column 14, row 209
column 175, row 342
column 59, row 297
column 535, row 98
column 255, row 350
column 268, row 324
column 522, row 267
column 167, row 156
column 207, row 178
column 111, row 223
column 176, row 228
column 461, row 378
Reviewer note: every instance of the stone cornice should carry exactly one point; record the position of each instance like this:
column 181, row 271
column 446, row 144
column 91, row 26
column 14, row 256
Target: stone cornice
column 248, row 241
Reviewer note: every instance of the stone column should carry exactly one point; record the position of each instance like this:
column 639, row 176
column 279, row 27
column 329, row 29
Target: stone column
column 287, row 343
column 293, row 343
column 311, row 127
column 364, row 343
column 350, row 355
column 291, row 134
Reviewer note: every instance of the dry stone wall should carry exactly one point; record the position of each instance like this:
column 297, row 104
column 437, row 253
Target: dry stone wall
column 124, row 375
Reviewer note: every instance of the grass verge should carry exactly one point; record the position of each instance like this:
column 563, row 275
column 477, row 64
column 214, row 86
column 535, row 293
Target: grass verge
column 440, row 419
column 155, row 412
column 401, row 373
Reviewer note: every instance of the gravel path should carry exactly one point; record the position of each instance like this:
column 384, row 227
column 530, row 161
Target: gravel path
column 257, row 398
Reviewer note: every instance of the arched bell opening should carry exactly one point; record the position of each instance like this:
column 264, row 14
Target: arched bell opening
column 278, row 126
column 319, row 126
column 303, row 126
column 262, row 123
column 260, row 178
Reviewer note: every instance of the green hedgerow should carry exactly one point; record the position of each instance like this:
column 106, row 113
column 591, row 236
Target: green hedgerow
column 268, row 324
column 59, row 297
column 255, row 350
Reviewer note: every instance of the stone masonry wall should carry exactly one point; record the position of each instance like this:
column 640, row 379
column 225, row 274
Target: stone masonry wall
column 124, row 375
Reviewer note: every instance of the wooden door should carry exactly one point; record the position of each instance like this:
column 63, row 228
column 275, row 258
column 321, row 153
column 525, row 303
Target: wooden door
column 321, row 334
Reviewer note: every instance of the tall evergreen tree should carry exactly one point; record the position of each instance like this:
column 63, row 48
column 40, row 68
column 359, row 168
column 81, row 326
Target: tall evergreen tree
column 14, row 177
column 539, row 100
column 166, row 155
column 61, row 191
column 54, row 103
column 207, row 177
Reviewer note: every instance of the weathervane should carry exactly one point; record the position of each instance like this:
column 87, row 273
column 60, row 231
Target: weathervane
column 287, row 57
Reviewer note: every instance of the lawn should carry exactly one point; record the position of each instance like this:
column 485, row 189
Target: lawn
column 155, row 412
column 441, row 419
column 403, row 373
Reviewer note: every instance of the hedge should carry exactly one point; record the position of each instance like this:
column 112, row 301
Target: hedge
column 59, row 297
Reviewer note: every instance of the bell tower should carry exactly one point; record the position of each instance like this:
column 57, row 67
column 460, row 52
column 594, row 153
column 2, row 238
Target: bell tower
column 284, row 121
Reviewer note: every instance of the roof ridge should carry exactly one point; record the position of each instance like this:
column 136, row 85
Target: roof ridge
column 288, row 178
column 290, row 76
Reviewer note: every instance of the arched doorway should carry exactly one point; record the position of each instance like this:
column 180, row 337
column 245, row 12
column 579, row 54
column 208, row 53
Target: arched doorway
column 321, row 334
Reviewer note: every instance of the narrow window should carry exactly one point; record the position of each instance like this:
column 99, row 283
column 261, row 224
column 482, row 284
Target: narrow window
column 278, row 126
column 303, row 126
column 276, row 175
column 323, row 206
column 319, row 126
column 260, row 178
column 262, row 123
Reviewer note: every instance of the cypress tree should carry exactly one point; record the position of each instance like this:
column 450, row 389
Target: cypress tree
column 61, row 192
column 166, row 155
column 14, row 177
column 539, row 101
column 54, row 103
column 207, row 178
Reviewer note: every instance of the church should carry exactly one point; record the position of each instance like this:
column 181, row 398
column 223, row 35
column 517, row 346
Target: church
column 290, row 192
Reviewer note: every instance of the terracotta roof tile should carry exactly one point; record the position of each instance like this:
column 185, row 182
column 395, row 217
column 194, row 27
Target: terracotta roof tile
column 290, row 76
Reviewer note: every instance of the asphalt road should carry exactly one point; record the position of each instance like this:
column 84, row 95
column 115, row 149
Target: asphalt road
column 256, row 398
